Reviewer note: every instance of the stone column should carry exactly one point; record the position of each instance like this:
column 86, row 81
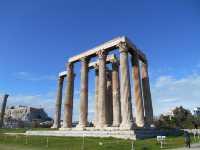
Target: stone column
column 58, row 103
column 3, row 107
column 109, row 100
column 138, row 92
column 96, row 96
column 68, row 105
column 147, row 95
column 125, row 89
column 116, row 94
column 102, row 90
column 84, row 94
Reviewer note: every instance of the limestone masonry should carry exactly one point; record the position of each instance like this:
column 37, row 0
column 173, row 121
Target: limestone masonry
column 113, row 100
column 3, row 107
column 24, row 116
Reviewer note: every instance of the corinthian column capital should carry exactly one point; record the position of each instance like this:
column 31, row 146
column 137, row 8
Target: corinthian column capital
column 84, row 59
column 122, row 47
column 101, row 54
column 69, row 66
column 96, row 67
column 60, row 79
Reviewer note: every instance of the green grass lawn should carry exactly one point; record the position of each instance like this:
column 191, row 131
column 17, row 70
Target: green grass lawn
column 20, row 142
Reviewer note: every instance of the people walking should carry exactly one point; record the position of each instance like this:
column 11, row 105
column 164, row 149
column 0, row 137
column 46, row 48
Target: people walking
column 187, row 139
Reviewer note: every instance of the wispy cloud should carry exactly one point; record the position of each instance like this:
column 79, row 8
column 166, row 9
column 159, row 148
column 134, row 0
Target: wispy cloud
column 169, row 100
column 32, row 77
column 168, row 92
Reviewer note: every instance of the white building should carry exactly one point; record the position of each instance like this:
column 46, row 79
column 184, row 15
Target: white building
column 197, row 111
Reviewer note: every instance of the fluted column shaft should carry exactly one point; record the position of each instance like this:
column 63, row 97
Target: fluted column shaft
column 147, row 94
column 68, row 105
column 84, row 94
column 102, row 90
column 3, row 107
column 125, row 89
column 109, row 100
column 116, row 95
column 96, row 97
column 137, row 92
column 58, row 103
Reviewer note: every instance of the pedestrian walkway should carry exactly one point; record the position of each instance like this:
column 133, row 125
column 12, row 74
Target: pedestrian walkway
column 193, row 147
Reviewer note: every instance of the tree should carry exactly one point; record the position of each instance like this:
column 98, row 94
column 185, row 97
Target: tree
column 180, row 118
column 183, row 117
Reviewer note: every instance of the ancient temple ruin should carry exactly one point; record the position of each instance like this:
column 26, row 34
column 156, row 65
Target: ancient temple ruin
column 24, row 116
column 113, row 111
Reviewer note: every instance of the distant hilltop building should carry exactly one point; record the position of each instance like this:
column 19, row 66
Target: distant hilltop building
column 24, row 116
column 177, row 110
column 169, row 113
column 197, row 111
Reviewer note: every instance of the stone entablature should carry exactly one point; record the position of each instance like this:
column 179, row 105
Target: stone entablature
column 109, row 46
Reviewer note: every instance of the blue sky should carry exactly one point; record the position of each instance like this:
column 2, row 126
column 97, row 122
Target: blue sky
column 37, row 38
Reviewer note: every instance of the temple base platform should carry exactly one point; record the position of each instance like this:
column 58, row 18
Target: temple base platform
column 110, row 132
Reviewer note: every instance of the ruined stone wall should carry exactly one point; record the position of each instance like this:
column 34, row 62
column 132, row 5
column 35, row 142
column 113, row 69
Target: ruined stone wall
column 22, row 116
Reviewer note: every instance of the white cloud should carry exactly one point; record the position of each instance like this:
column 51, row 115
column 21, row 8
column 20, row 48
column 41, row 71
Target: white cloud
column 169, row 100
column 31, row 77
column 168, row 92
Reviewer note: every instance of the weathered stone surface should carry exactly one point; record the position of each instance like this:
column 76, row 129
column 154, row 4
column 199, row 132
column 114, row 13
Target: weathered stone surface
column 125, row 89
column 68, row 105
column 116, row 94
column 107, row 132
column 87, row 133
column 113, row 104
column 147, row 95
column 26, row 113
column 92, row 65
column 109, row 100
column 96, row 96
column 138, row 92
column 3, row 107
column 24, row 116
column 58, row 103
column 109, row 59
column 102, row 90
column 108, row 46
column 84, row 94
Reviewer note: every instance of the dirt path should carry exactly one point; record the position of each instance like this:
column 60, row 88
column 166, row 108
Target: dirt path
column 193, row 147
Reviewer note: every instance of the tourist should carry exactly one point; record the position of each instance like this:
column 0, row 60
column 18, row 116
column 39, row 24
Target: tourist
column 195, row 126
column 187, row 139
column 195, row 131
